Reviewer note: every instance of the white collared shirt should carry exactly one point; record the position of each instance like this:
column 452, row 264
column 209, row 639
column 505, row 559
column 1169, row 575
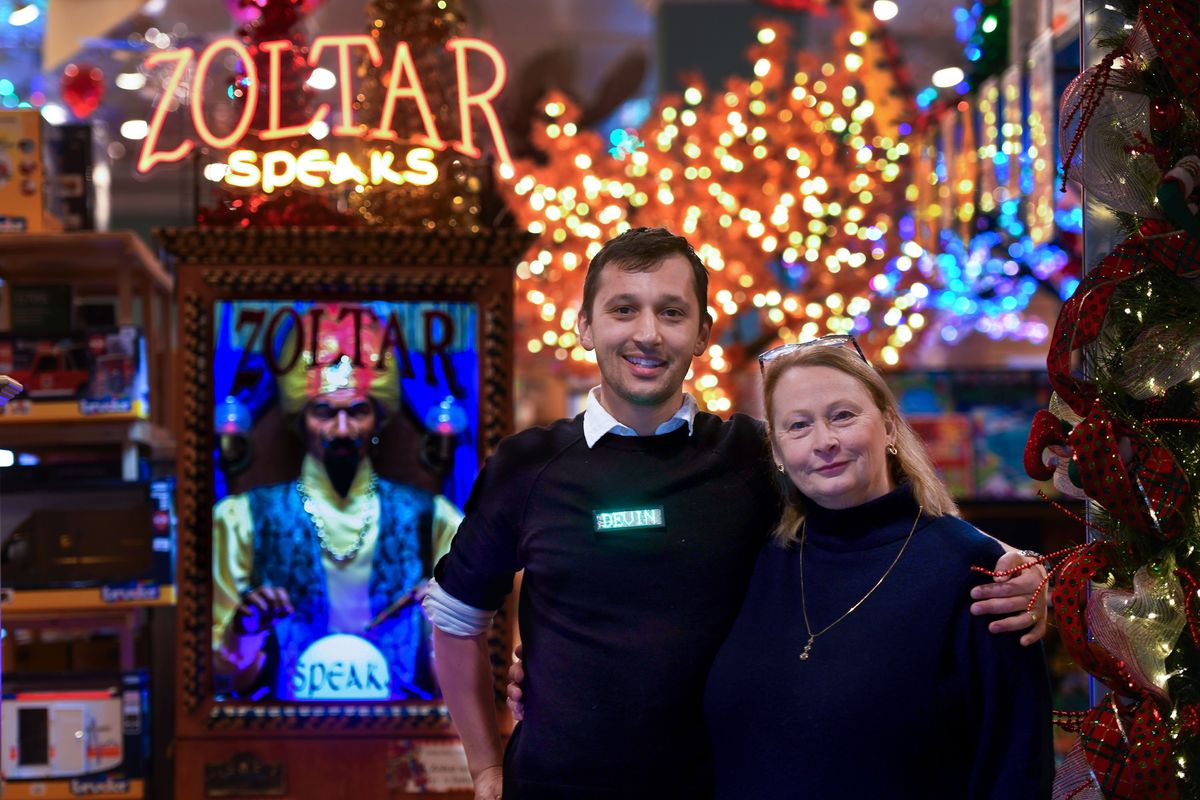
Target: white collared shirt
column 597, row 421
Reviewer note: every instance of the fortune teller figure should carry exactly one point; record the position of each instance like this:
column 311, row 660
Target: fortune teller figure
column 335, row 550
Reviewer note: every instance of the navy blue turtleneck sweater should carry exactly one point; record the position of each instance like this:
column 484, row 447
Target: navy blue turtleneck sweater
column 907, row 697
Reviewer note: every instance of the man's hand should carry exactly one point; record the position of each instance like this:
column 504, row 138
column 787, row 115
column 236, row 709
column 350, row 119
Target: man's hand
column 489, row 784
column 1011, row 595
column 259, row 609
column 516, row 676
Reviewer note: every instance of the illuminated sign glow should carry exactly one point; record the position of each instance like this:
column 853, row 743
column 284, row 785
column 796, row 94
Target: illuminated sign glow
column 341, row 667
column 319, row 168
column 631, row 519
column 404, row 84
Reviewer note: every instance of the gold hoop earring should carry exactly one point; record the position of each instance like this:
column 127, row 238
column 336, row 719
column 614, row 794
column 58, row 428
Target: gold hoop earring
column 891, row 448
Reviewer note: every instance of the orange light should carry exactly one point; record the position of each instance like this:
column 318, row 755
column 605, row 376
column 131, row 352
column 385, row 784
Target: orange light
column 403, row 83
column 403, row 66
column 274, row 52
column 345, row 72
column 483, row 100
column 148, row 158
column 202, row 65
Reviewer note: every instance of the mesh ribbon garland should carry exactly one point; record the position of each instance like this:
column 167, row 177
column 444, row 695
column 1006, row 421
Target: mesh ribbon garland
column 1140, row 628
column 1127, row 750
column 1070, row 599
column 1176, row 45
column 1149, row 492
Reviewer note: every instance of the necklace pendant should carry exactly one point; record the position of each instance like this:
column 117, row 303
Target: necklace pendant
column 807, row 648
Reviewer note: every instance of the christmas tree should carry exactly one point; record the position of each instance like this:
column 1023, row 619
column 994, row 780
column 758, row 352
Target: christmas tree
column 787, row 182
column 1127, row 602
column 424, row 27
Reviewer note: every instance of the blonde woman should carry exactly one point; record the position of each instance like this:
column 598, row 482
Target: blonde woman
column 855, row 668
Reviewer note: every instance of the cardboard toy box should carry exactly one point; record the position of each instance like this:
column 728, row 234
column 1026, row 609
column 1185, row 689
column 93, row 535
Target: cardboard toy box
column 72, row 736
column 77, row 375
column 45, row 174
column 22, row 173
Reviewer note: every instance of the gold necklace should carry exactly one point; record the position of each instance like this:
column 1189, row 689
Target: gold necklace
column 319, row 523
column 812, row 637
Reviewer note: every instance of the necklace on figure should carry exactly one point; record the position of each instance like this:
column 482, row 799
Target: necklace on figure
column 812, row 637
column 318, row 522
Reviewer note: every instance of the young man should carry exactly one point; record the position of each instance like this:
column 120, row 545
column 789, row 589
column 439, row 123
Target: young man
column 637, row 524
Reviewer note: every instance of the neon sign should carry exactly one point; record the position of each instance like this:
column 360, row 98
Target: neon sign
column 319, row 168
column 404, row 84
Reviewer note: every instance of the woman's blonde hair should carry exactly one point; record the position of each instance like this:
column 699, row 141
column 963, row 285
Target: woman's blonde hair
column 911, row 465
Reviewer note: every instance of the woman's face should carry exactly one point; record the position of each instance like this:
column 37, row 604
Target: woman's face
column 830, row 437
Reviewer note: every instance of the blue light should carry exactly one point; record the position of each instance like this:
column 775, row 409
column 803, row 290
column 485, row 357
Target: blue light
column 447, row 418
column 6, row 87
column 905, row 128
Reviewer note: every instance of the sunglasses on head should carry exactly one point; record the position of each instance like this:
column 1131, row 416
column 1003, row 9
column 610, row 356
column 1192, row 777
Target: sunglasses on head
column 832, row 340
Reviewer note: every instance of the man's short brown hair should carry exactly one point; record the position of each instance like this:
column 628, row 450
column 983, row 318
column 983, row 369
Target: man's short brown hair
column 640, row 250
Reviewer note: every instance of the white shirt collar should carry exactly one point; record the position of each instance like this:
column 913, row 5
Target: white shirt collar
column 597, row 421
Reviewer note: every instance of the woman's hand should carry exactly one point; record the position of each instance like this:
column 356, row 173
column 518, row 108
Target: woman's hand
column 1011, row 594
column 516, row 676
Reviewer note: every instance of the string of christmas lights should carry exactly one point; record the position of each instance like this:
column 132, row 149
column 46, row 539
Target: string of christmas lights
column 792, row 193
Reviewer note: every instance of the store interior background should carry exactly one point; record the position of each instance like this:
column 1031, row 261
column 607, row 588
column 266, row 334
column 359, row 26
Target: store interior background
column 990, row 387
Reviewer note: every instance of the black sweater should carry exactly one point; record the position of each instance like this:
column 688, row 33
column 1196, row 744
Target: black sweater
column 909, row 697
column 619, row 624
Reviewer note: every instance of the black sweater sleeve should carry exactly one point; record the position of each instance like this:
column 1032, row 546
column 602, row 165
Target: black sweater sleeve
column 486, row 550
column 1011, row 708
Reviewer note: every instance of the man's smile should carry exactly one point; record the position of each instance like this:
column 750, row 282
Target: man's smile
column 644, row 365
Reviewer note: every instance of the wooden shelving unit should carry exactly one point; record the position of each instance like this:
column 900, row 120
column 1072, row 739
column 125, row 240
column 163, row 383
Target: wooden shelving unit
column 120, row 269
column 116, row 266
column 91, row 599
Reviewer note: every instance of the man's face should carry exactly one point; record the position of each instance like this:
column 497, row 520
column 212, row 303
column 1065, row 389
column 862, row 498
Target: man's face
column 645, row 328
column 342, row 420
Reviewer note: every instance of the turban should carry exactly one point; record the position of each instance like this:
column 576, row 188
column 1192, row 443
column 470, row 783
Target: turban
column 336, row 346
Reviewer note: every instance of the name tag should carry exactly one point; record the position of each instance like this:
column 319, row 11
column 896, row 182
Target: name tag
column 630, row 519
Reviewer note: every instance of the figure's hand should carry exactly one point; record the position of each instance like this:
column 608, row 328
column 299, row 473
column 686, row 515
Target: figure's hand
column 489, row 784
column 1011, row 595
column 516, row 676
column 260, row 608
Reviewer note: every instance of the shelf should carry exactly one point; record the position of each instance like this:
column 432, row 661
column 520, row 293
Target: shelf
column 20, row 431
column 71, row 257
column 46, row 601
column 117, row 268
column 61, row 790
